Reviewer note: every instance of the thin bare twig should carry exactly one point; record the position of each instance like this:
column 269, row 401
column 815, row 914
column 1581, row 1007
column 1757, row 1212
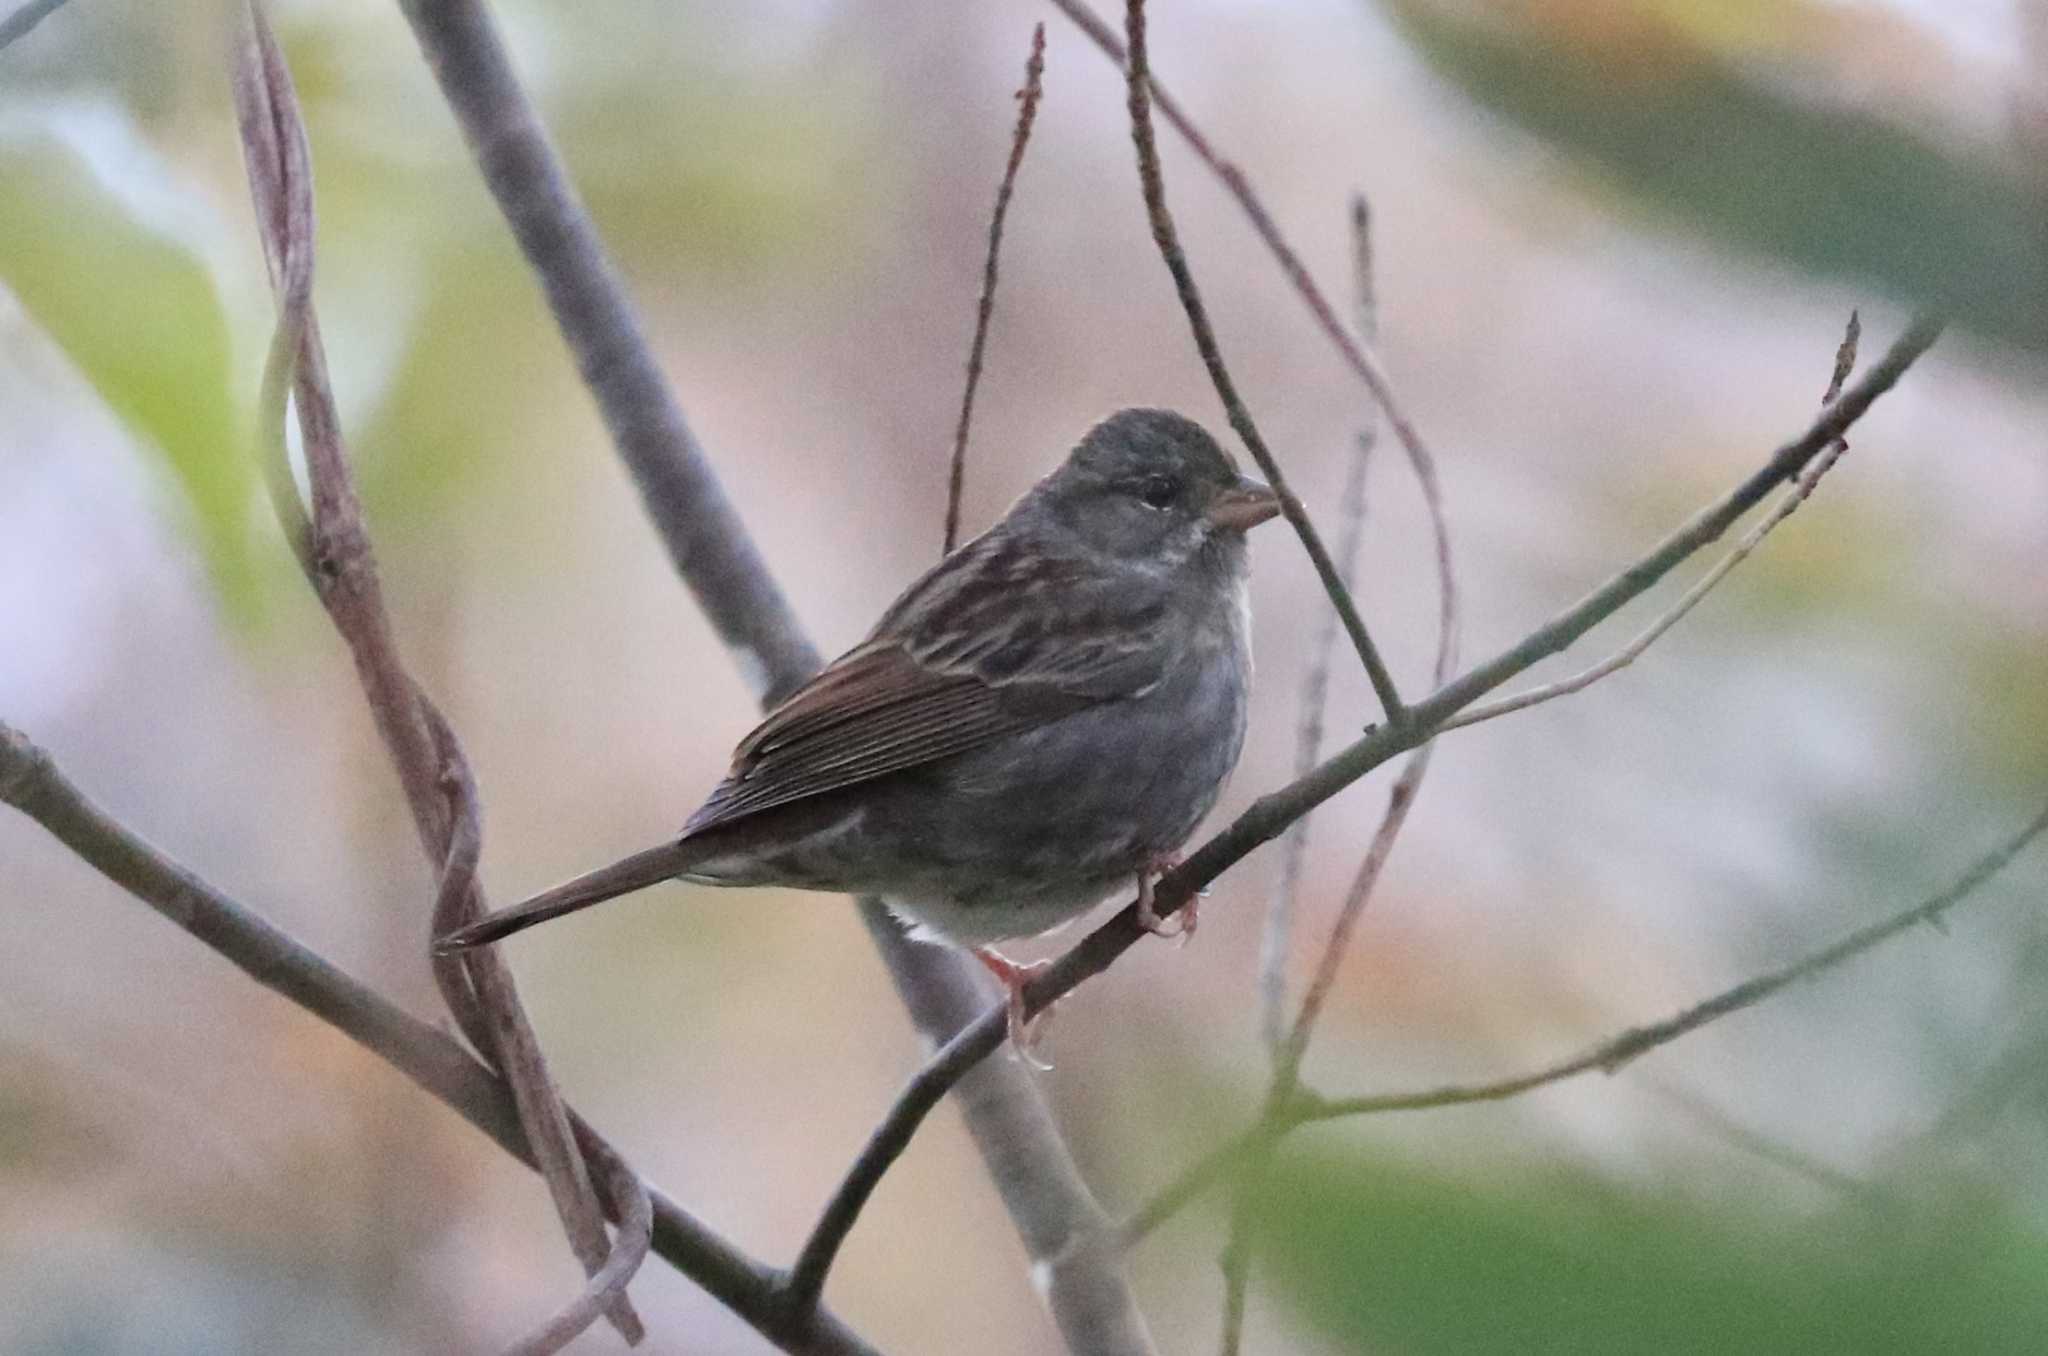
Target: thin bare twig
column 1845, row 360
column 282, row 185
column 1269, row 816
column 1608, row 1056
column 1400, row 800
column 1713, row 1120
column 31, row 782
column 1277, row 940
column 1802, row 489
column 1005, row 1114
column 1702, row 529
column 333, row 548
column 1138, row 86
column 1611, row 1055
column 1027, row 110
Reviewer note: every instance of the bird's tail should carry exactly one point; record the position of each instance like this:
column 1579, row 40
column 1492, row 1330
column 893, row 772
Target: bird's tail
column 636, row 872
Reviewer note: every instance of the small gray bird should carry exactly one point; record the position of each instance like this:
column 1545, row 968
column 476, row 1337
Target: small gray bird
column 1040, row 720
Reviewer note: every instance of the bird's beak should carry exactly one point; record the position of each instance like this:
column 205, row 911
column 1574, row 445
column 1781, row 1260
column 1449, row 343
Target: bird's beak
column 1243, row 506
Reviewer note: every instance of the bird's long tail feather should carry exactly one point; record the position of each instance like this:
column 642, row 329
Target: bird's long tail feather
column 636, row 872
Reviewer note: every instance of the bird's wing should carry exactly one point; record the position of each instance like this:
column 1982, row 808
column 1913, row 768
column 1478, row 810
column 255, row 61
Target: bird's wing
column 992, row 642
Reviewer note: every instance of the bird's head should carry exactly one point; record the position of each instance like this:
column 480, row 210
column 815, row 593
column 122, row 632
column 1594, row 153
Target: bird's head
column 1152, row 486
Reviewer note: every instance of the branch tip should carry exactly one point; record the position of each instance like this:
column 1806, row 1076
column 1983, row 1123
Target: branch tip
column 1027, row 112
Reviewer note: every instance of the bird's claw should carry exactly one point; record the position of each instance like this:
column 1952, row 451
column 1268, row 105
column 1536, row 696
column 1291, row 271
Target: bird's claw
column 1013, row 976
column 1148, row 914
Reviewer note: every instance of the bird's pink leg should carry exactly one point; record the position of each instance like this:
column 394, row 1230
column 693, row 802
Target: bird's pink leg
column 1148, row 917
column 1013, row 976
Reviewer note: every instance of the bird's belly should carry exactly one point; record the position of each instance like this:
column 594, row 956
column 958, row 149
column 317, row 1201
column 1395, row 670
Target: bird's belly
column 1027, row 834
column 932, row 875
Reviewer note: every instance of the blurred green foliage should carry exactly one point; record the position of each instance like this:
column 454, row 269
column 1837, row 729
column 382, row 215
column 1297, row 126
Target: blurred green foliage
column 475, row 355
column 721, row 172
column 441, row 348
column 1638, row 93
column 136, row 310
column 1823, row 575
column 1385, row 1257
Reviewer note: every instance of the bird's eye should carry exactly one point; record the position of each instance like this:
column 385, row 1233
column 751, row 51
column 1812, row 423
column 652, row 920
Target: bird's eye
column 1159, row 492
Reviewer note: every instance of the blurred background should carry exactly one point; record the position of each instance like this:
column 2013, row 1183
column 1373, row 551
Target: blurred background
column 1618, row 240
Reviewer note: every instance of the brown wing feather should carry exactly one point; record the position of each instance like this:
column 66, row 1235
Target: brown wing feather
column 954, row 665
column 875, row 711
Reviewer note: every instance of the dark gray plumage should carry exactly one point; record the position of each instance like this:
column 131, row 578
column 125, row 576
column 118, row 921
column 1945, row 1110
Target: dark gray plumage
column 1040, row 720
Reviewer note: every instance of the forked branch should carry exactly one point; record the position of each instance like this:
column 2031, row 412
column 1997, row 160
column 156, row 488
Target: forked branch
column 1802, row 490
column 1607, row 1056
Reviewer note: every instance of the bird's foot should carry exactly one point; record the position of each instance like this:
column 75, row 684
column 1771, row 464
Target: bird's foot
column 1148, row 916
column 1013, row 976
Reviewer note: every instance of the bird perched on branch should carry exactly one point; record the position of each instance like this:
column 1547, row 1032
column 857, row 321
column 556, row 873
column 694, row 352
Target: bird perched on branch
column 1040, row 720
